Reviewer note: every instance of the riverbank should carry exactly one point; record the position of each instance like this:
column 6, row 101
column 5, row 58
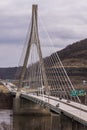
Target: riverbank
column 6, row 99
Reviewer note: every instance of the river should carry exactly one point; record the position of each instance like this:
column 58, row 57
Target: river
column 32, row 122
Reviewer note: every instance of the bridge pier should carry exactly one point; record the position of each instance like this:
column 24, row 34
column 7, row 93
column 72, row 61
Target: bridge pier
column 23, row 106
column 66, row 123
column 74, row 125
column 16, row 104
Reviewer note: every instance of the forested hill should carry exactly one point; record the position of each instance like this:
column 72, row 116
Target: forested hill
column 8, row 73
column 74, row 55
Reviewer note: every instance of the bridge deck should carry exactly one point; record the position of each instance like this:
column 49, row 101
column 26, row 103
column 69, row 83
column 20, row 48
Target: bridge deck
column 73, row 110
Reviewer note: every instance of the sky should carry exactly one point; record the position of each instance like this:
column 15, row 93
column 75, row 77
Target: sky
column 64, row 20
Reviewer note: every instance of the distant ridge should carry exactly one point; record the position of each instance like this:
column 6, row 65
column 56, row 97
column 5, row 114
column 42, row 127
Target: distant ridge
column 8, row 73
column 74, row 58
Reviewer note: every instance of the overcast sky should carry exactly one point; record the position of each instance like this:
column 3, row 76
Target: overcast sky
column 64, row 20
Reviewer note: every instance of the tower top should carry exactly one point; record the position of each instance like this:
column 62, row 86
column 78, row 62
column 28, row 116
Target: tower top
column 34, row 9
column 34, row 6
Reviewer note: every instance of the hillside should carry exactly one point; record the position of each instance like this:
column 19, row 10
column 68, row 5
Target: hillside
column 75, row 54
column 74, row 59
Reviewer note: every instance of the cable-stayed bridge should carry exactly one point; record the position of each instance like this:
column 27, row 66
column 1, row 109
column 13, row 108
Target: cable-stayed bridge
column 43, row 72
column 47, row 81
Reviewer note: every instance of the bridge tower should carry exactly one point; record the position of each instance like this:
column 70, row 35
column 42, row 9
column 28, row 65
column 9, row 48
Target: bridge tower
column 33, row 39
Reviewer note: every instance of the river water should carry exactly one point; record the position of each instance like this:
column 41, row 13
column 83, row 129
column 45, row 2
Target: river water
column 53, row 122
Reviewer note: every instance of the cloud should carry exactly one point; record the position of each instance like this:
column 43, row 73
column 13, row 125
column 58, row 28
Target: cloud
column 63, row 21
column 9, row 54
